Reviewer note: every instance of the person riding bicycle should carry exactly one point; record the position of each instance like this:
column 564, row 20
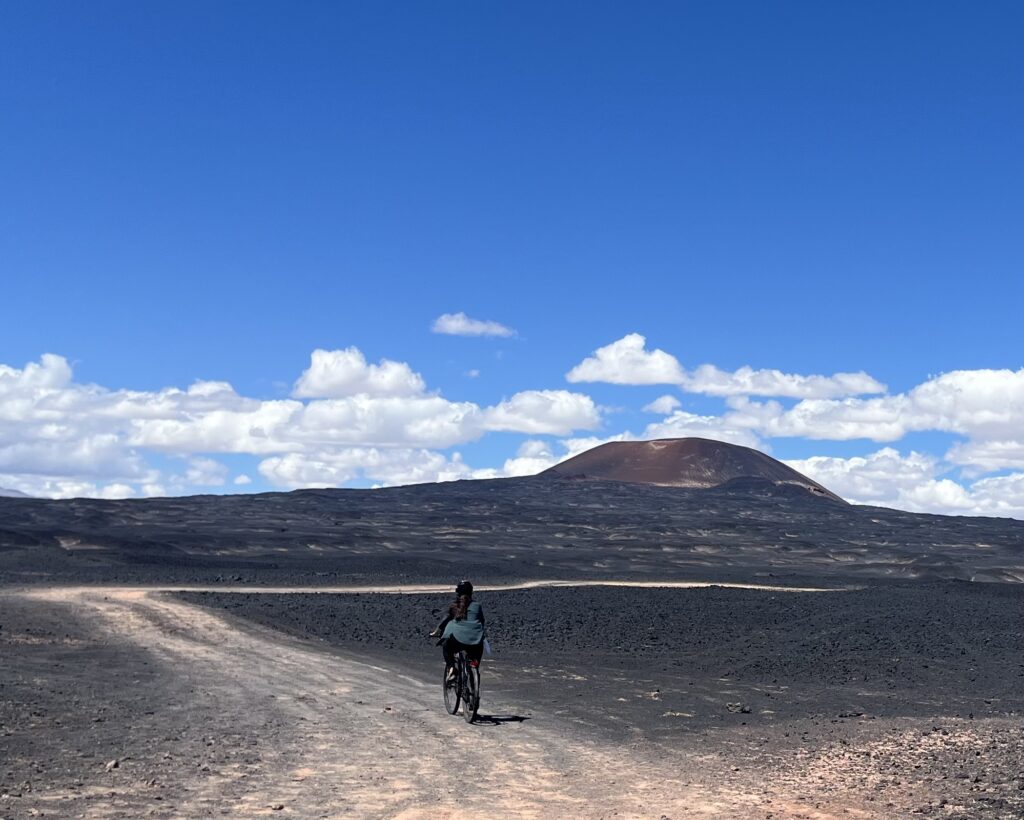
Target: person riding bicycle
column 463, row 628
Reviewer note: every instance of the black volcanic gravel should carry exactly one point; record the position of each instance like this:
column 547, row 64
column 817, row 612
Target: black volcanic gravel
column 912, row 690
column 91, row 726
column 961, row 639
column 911, row 694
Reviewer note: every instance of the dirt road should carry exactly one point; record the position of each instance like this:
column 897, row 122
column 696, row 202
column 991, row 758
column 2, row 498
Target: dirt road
column 351, row 739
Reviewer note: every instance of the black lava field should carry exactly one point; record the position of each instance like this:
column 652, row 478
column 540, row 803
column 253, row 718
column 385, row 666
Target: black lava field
column 510, row 528
column 884, row 649
column 896, row 687
column 912, row 693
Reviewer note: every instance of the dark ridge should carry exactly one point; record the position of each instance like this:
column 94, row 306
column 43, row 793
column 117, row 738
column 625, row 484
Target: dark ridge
column 745, row 529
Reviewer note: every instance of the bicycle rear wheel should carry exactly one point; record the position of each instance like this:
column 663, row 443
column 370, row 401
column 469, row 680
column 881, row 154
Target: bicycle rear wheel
column 471, row 697
column 450, row 685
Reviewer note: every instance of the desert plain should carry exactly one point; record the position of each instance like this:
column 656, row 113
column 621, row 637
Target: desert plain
column 746, row 650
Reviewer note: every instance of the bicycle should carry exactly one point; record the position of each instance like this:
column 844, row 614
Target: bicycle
column 461, row 684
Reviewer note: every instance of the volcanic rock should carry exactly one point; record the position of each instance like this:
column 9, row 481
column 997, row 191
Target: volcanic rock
column 682, row 462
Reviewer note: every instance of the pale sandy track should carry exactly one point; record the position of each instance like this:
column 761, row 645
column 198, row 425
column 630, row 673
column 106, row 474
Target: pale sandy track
column 352, row 740
column 431, row 589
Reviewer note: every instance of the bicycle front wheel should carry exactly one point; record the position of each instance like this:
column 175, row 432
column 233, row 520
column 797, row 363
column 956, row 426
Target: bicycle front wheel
column 450, row 684
column 472, row 694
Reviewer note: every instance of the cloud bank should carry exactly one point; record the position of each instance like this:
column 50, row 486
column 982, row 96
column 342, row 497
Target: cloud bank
column 628, row 361
column 349, row 419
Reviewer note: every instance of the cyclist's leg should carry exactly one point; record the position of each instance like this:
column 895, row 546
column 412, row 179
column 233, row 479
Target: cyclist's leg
column 475, row 652
column 448, row 648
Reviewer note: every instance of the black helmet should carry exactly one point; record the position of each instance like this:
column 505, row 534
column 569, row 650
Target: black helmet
column 464, row 588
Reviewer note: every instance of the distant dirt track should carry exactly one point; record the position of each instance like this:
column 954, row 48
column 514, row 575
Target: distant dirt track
column 424, row 589
column 353, row 739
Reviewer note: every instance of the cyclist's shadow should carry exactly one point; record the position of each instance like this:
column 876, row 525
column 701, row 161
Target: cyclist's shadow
column 498, row 720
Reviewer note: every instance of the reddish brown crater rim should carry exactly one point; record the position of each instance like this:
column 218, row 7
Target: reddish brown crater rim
column 681, row 462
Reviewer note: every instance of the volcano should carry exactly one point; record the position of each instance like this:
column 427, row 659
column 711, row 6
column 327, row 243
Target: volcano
column 682, row 462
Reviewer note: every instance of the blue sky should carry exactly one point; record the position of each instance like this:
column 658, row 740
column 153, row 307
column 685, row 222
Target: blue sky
column 211, row 193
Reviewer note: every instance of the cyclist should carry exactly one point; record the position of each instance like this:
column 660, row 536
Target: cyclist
column 463, row 628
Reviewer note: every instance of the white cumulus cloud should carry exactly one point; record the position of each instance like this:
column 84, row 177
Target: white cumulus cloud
column 50, row 373
column 682, row 424
column 982, row 404
column 711, row 381
column 412, row 421
column 45, row 487
column 332, row 468
column 879, row 478
column 459, row 324
column 340, row 373
column 628, row 361
column 205, row 472
column 61, row 438
column 663, row 405
column 883, row 419
column 532, row 457
column 1001, row 496
column 557, row 412
column 988, row 456
column 914, row 482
